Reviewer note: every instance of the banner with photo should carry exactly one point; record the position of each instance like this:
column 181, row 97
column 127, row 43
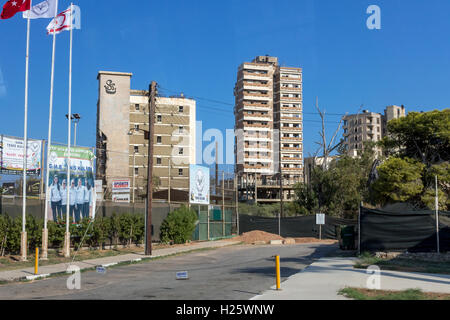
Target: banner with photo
column 81, row 186
column 11, row 155
column 199, row 184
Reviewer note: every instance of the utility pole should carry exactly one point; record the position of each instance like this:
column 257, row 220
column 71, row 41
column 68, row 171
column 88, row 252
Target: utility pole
column 281, row 177
column 134, row 174
column 170, row 178
column 217, row 167
column 236, row 190
column 151, row 132
column 223, row 203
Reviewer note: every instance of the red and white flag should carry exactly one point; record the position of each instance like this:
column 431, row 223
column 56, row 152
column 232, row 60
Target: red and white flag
column 13, row 6
column 63, row 20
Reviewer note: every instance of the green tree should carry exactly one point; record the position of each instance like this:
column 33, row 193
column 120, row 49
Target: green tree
column 399, row 180
column 421, row 136
column 179, row 225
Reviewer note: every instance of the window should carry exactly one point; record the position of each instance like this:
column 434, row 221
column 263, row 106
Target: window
column 180, row 129
column 158, row 139
column 136, row 127
column 180, row 109
column 136, row 171
column 180, row 151
column 136, row 149
column 159, row 118
column 136, row 106
column 158, row 161
column 180, row 172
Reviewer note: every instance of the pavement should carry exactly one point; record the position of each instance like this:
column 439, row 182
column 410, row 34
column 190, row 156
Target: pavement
column 324, row 278
column 46, row 271
column 236, row 272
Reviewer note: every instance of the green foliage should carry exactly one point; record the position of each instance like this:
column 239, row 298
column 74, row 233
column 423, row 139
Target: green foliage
column 400, row 180
column 261, row 210
column 339, row 189
column 179, row 225
column 424, row 137
column 125, row 229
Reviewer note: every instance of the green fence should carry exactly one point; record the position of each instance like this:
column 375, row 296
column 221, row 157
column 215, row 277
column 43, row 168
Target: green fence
column 220, row 225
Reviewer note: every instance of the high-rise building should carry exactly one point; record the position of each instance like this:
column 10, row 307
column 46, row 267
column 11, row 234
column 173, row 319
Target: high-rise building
column 268, row 122
column 368, row 126
column 122, row 147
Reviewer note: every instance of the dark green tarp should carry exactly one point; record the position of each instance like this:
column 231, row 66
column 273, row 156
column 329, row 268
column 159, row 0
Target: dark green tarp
column 296, row 227
column 402, row 227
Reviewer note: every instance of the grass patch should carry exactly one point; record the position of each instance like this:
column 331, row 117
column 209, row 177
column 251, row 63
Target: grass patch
column 401, row 264
column 410, row 294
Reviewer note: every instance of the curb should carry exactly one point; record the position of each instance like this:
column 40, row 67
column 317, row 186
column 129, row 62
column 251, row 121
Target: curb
column 136, row 260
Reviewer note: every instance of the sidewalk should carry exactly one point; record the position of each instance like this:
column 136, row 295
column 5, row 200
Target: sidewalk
column 28, row 273
column 323, row 279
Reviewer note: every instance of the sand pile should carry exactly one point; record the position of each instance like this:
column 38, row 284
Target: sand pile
column 257, row 236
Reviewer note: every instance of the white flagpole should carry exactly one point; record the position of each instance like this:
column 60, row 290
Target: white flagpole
column 50, row 125
column 23, row 242
column 69, row 125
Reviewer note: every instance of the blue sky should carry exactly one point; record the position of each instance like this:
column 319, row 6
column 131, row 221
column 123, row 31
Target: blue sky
column 195, row 47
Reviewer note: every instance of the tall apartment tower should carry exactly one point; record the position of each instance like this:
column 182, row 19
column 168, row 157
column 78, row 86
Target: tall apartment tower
column 368, row 126
column 268, row 120
column 122, row 148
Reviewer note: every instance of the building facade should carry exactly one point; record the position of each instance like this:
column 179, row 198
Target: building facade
column 368, row 126
column 268, row 124
column 122, row 147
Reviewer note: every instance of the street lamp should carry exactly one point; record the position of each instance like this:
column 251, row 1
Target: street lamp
column 75, row 117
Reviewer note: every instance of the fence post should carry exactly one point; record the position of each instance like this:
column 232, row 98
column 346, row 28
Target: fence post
column 359, row 229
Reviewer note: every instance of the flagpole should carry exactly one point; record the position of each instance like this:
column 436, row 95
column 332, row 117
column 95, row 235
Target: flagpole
column 23, row 240
column 49, row 138
column 69, row 125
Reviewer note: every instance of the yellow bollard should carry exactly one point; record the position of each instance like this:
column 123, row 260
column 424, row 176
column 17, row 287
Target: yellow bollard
column 277, row 266
column 36, row 261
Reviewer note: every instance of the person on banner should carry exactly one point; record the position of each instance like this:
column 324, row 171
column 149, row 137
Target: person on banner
column 87, row 200
column 55, row 199
column 63, row 192
column 80, row 191
column 72, row 201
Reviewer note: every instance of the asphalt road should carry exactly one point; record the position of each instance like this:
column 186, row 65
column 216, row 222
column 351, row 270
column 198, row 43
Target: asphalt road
column 237, row 272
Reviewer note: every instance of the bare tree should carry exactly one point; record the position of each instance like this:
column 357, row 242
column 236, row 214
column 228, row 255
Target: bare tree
column 327, row 148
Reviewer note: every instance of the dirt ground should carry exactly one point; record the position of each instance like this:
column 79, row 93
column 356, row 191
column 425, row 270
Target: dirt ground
column 257, row 236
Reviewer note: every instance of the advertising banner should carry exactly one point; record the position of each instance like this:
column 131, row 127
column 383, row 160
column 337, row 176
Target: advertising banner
column 81, row 186
column 11, row 155
column 121, row 186
column 198, row 185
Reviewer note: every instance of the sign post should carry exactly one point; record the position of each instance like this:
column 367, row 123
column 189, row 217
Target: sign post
column 320, row 220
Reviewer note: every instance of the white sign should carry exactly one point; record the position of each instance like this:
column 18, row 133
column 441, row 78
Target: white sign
column 12, row 154
column 119, row 186
column 198, row 184
column 320, row 218
column 182, row 275
column 121, row 197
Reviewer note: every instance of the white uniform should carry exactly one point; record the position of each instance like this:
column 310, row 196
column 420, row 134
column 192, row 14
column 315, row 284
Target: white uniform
column 55, row 194
column 63, row 193
column 80, row 195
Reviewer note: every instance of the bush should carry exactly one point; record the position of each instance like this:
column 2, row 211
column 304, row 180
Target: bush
column 179, row 226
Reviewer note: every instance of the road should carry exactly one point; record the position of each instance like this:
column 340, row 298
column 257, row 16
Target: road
column 237, row 272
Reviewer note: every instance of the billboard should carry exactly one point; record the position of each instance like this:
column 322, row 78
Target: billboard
column 119, row 186
column 81, row 186
column 11, row 155
column 198, row 185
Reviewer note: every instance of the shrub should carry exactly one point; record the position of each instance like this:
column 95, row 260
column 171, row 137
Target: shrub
column 179, row 225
